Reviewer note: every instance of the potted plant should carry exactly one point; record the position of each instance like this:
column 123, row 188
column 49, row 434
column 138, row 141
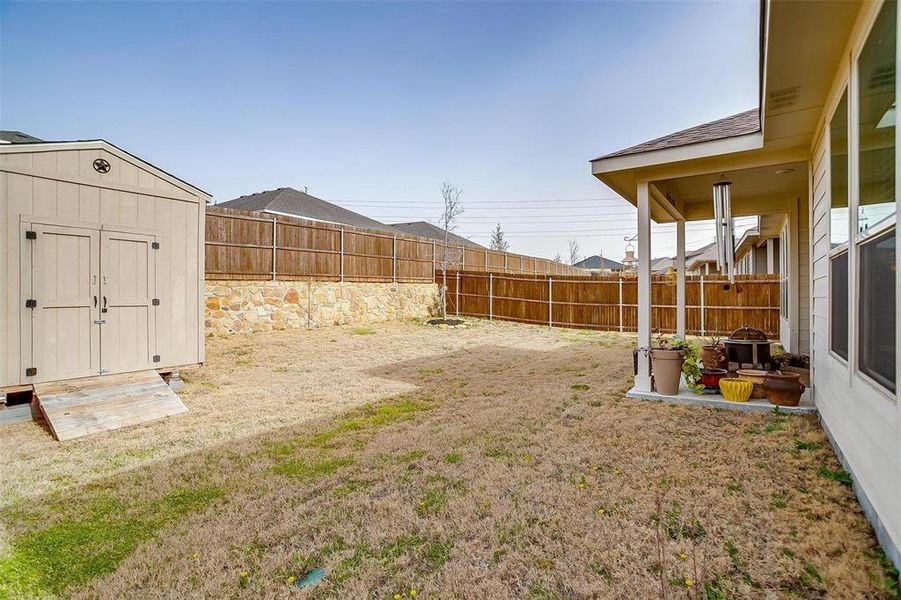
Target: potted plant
column 714, row 355
column 691, row 364
column 670, row 359
column 795, row 363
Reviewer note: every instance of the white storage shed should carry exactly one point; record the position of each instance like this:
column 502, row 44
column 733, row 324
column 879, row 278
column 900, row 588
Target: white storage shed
column 101, row 264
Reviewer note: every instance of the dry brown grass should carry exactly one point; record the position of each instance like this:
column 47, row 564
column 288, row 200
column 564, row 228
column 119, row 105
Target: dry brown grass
column 497, row 461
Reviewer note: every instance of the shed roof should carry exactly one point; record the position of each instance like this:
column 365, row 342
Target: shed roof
column 427, row 230
column 295, row 203
column 735, row 125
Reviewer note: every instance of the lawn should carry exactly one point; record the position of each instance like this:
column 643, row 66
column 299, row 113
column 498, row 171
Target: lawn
column 499, row 460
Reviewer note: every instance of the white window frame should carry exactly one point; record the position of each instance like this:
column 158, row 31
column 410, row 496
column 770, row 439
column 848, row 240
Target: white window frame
column 857, row 238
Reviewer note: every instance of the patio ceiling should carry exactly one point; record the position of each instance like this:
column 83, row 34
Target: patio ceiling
column 754, row 191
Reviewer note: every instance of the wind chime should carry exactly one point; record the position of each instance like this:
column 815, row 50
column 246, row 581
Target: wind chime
column 725, row 238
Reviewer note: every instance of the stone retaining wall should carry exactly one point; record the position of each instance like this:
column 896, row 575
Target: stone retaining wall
column 251, row 306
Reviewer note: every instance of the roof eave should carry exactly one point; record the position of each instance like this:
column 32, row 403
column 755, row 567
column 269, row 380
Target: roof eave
column 699, row 150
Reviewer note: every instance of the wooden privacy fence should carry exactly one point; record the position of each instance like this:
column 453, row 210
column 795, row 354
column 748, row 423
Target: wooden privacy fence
column 250, row 245
column 611, row 303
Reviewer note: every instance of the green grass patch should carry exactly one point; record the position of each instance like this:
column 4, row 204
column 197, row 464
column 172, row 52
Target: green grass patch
column 738, row 564
column 436, row 554
column 91, row 541
column 300, row 469
column 840, row 476
column 802, row 445
column 432, row 502
column 410, row 456
column 453, row 458
column 362, row 331
column 582, row 387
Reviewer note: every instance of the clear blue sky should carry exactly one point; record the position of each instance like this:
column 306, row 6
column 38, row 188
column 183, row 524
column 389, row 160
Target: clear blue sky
column 373, row 104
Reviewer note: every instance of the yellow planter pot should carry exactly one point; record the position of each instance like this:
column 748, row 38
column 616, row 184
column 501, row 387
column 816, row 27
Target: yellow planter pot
column 736, row 390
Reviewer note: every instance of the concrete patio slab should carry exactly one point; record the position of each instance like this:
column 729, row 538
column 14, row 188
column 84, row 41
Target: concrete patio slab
column 686, row 396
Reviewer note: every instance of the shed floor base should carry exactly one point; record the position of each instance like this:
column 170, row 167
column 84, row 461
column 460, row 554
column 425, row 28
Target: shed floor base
column 81, row 407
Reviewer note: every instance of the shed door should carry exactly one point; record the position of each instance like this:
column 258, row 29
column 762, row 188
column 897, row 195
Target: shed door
column 127, row 289
column 62, row 279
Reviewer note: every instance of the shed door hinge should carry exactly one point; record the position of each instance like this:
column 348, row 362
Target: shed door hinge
column 31, row 371
column 31, row 235
column 156, row 358
column 31, row 303
column 155, row 245
column 155, row 302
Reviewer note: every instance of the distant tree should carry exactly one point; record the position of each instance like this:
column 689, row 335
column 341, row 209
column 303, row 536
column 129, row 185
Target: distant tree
column 497, row 240
column 558, row 258
column 453, row 208
column 574, row 251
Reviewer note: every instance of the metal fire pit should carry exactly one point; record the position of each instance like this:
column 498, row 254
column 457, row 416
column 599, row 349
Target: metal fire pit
column 748, row 346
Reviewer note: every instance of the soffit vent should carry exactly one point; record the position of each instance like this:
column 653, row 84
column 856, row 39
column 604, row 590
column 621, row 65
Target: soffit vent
column 883, row 76
column 783, row 98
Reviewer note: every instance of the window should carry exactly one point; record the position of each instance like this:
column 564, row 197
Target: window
column 876, row 200
column 876, row 122
column 838, row 305
column 838, row 168
column 877, row 309
column 783, row 281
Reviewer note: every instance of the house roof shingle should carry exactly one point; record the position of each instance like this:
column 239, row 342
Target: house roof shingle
column 17, row 137
column 594, row 262
column 300, row 204
column 740, row 124
column 427, row 230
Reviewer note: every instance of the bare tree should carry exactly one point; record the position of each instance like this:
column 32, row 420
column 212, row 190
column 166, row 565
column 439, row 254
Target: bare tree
column 558, row 258
column 453, row 208
column 497, row 240
column 574, row 251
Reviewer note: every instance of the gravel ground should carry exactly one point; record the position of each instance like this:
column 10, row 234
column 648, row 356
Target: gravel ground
column 494, row 461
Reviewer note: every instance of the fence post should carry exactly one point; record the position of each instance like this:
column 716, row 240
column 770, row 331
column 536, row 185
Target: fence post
column 550, row 302
column 274, row 239
column 505, row 262
column 702, row 305
column 457, row 302
column 621, row 324
column 462, row 258
column 490, row 297
column 394, row 259
column 342, row 254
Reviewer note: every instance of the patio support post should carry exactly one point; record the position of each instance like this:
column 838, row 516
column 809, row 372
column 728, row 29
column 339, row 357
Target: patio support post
column 770, row 257
column 680, row 278
column 643, row 378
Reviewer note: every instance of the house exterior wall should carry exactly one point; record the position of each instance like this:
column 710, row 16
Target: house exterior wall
column 57, row 183
column 863, row 422
column 255, row 306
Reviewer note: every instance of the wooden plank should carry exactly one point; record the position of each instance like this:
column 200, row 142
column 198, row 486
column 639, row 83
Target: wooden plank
column 81, row 407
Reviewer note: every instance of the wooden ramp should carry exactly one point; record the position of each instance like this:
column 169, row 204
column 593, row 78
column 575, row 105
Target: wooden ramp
column 80, row 407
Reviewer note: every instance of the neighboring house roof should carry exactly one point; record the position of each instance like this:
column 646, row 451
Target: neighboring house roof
column 427, row 230
column 661, row 265
column 598, row 262
column 291, row 202
column 740, row 124
column 706, row 255
column 17, row 137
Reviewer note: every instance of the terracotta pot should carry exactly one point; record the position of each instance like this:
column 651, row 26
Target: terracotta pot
column 714, row 357
column 783, row 389
column 667, row 368
column 710, row 378
column 757, row 377
column 804, row 373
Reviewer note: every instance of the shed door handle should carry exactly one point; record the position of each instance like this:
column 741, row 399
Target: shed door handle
column 104, row 305
column 95, row 301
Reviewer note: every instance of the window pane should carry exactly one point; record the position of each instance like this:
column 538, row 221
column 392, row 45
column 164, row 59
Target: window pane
column 876, row 337
column 838, row 305
column 838, row 152
column 876, row 85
